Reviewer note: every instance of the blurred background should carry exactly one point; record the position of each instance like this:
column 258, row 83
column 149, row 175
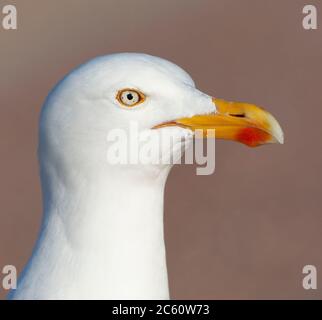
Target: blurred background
column 244, row 232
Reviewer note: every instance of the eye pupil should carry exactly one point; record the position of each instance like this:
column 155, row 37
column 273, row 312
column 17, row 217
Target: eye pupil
column 129, row 96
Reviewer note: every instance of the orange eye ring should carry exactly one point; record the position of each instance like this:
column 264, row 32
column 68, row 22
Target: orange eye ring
column 129, row 97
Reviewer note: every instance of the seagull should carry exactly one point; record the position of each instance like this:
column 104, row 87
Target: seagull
column 101, row 234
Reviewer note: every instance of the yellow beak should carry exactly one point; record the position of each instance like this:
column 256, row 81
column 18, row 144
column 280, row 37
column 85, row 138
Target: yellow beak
column 236, row 121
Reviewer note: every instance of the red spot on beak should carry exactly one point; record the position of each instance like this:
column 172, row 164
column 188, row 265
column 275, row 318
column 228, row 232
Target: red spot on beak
column 252, row 137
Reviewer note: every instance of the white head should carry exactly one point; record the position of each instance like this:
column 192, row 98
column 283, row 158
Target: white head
column 113, row 91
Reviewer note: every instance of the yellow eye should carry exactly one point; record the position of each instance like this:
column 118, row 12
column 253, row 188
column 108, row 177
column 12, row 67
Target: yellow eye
column 130, row 97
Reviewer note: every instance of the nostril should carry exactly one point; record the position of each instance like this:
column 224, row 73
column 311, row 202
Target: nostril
column 238, row 115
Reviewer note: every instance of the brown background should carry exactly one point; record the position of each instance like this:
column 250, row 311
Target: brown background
column 244, row 232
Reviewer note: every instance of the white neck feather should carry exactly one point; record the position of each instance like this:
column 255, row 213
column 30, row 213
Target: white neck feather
column 101, row 238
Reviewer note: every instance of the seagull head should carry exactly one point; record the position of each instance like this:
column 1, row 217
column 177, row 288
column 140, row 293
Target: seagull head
column 113, row 91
